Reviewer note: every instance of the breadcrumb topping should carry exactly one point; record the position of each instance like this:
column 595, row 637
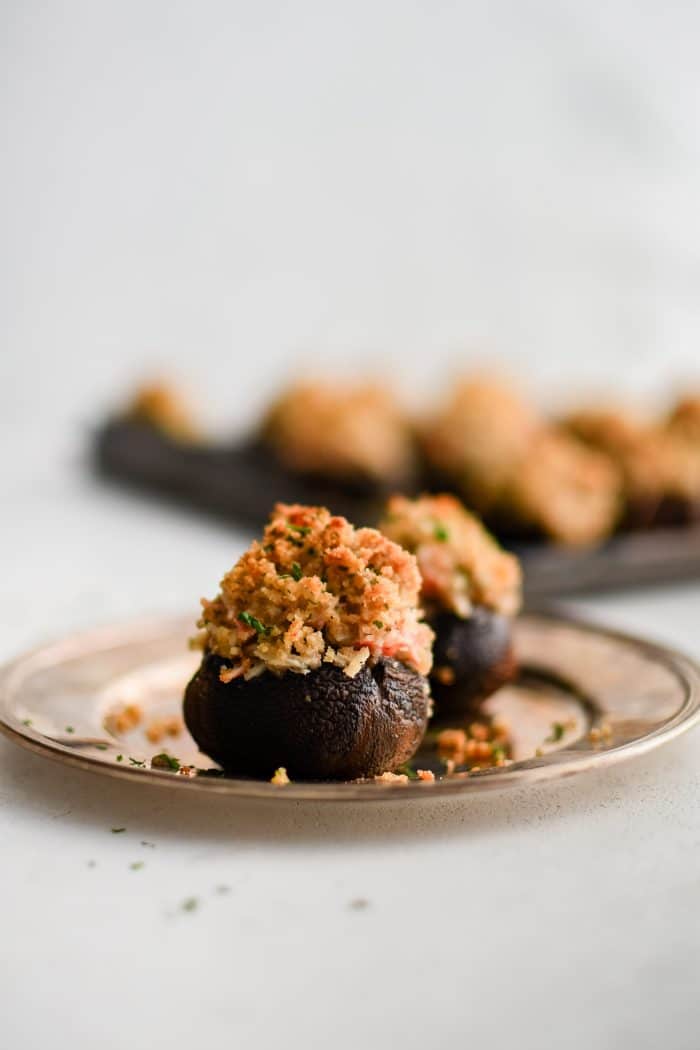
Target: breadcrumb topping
column 460, row 562
column 480, row 435
column 340, row 432
column 164, row 407
column 317, row 590
column 510, row 463
column 655, row 461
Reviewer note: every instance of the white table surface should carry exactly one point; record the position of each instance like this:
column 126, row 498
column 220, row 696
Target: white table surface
column 226, row 189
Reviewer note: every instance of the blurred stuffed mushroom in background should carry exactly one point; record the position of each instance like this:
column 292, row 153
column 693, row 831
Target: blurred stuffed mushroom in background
column 315, row 655
column 352, row 435
column 471, row 591
column 525, row 477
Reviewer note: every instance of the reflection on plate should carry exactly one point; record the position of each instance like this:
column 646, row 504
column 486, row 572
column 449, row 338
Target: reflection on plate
column 610, row 696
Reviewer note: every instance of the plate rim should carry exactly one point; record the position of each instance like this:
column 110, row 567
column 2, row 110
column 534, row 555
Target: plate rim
column 546, row 768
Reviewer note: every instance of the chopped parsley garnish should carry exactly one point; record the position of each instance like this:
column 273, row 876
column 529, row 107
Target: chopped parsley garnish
column 120, row 758
column 101, row 747
column 558, row 730
column 296, row 570
column 190, row 904
column 440, row 533
column 303, row 529
column 70, row 729
column 137, row 762
column 118, row 831
column 252, row 621
column 27, row 722
column 378, row 624
column 407, row 771
column 136, row 865
column 165, row 761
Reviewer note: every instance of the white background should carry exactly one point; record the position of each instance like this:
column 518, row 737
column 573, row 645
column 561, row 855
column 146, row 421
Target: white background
column 229, row 190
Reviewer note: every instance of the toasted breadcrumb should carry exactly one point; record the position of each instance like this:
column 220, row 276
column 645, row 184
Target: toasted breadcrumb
column 124, row 719
column 317, row 590
column 452, row 742
column 158, row 728
column 445, row 675
column 426, row 775
column 391, row 778
column 460, row 562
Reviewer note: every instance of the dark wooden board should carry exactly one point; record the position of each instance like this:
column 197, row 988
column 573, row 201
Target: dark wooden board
column 240, row 483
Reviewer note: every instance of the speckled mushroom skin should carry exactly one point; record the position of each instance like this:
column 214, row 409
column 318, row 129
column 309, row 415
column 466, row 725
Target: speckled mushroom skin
column 478, row 653
column 319, row 726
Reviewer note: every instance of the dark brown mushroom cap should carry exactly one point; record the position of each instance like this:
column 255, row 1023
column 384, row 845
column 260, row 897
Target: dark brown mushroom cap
column 471, row 659
column 320, row 726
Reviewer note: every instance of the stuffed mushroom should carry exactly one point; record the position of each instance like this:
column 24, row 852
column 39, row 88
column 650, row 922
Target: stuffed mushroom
column 522, row 475
column 315, row 655
column 354, row 436
column 659, row 467
column 471, row 590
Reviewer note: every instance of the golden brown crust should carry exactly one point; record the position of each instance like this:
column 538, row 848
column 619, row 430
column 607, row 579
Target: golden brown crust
column 316, row 590
column 164, row 407
column 340, row 432
column 460, row 562
column 656, row 462
column 509, row 463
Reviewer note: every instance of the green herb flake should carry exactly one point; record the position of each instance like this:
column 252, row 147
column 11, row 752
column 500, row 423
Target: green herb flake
column 165, row 761
column 101, row 747
column 136, row 865
column 27, row 722
column 440, row 533
column 137, row 762
column 120, row 758
column 296, row 571
column 70, row 729
column 378, row 624
column 190, row 904
column 118, row 831
column 304, row 530
column 407, row 771
column 252, row 621
column 558, row 730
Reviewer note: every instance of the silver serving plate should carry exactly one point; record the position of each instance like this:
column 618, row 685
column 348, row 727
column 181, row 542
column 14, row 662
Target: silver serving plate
column 611, row 697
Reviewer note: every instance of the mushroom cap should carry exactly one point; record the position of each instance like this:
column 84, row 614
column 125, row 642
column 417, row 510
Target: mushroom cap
column 322, row 725
column 478, row 653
